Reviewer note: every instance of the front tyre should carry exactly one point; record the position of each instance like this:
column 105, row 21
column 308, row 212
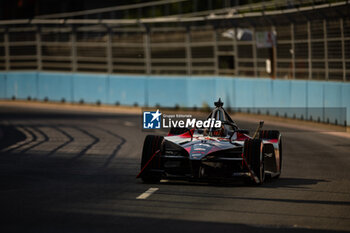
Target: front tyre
column 253, row 153
column 150, row 146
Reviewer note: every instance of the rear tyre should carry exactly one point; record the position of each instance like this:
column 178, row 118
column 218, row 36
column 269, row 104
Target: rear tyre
column 253, row 154
column 150, row 146
column 269, row 134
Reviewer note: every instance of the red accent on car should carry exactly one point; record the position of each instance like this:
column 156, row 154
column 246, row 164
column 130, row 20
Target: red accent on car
column 241, row 136
column 184, row 135
column 147, row 163
column 244, row 161
column 188, row 149
column 188, row 134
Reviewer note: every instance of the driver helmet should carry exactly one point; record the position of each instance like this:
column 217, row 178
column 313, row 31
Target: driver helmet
column 218, row 132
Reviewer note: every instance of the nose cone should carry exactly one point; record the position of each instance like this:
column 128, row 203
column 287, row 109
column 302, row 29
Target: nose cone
column 200, row 150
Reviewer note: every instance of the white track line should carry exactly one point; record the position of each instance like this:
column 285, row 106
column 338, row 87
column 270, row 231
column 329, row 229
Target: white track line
column 147, row 193
column 129, row 123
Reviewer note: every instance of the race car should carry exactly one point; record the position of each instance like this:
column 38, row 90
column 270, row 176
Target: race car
column 213, row 153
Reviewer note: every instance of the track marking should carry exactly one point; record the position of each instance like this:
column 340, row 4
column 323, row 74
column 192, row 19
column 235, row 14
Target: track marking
column 129, row 123
column 19, row 144
column 147, row 193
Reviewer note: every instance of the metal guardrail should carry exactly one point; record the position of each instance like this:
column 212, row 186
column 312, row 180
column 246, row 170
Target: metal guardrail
column 215, row 15
column 207, row 7
column 110, row 9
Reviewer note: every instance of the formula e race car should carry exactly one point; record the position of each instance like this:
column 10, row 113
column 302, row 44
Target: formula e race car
column 212, row 153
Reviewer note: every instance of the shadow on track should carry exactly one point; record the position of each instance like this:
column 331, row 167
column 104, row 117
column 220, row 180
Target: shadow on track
column 70, row 140
column 86, row 222
column 46, row 139
column 9, row 135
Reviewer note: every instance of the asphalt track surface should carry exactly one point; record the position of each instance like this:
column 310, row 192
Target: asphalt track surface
column 75, row 172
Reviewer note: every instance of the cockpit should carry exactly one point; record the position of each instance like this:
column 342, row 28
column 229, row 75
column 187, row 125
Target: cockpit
column 227, row 124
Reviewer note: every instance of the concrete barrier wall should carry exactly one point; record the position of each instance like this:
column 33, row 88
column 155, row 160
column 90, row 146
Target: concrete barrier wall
column 2, row 86
column 322, row 101
column 54, row 87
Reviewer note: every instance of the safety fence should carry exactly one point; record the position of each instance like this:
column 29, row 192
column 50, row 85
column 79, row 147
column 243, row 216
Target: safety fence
column 313, row 50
